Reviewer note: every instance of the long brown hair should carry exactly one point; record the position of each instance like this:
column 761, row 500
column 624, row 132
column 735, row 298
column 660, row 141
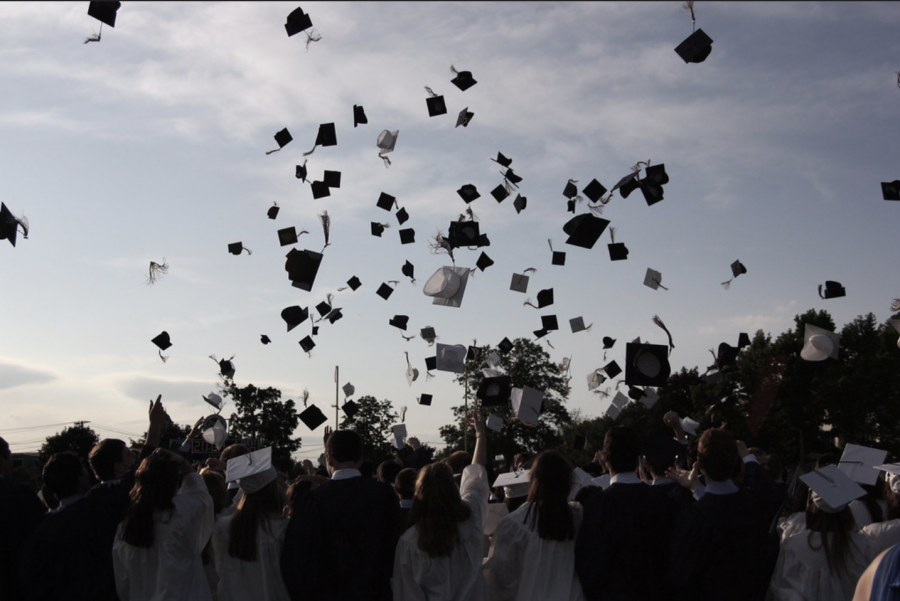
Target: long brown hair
column 834, row 530
column 252, row 512
column 156, row 482
column 438, row 510
column 548, row 494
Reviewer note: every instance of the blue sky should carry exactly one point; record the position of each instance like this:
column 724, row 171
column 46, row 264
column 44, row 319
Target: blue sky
column 151, row 144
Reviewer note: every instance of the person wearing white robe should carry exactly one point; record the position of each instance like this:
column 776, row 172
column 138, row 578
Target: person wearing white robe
column 457, row 576
column 171, row 569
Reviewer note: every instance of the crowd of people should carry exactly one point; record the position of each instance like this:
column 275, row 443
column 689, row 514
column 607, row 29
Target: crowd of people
column 650, row 518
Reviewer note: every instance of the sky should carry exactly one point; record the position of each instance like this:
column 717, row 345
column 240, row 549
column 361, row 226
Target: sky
column 151, row 145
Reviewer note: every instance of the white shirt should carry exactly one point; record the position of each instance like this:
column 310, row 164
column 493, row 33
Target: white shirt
column 524, row 567
column 251, row 580
column 458, row 576
column 171, row 569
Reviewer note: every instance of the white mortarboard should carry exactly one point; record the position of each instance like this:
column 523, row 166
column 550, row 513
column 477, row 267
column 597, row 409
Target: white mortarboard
column 834, row 488
column 513, row 480
column 411, row 374
column 859, row 463
column 495, row 513
column 819, row 344
column 526, row 404
column 651, row 396
column 451, row 357
column 519, row 283
column 689, row 425
column 215, row 400
column 610, row 410
column 891, row 475
column 494, row 422
column 387, row 140
column 215, row 430
column 595, row 379
column 399, row 432
column 447, row 286
column 348, row 389
column 602, row 481
column 252, row 471
column 494, row 360
column 620, row 400
column 653, row 279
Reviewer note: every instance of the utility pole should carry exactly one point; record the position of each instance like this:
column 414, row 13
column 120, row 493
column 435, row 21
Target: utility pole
column 81, row 424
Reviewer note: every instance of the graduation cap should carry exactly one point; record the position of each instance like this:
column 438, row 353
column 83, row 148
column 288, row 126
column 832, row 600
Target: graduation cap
column 377, row 228
column 428, row 334
column 743, row 340
column 402, row 216
column 287, row 236
column 105, row 12
column 297, row 21
column 737, row 268
column 332, row 179
column 436, row 104
column 408, row 270
column 627, row 185
column 214, row 430
column 832, row 489
column 617, row 251
column 468, row 193
column 506, row 162
column 520, row 203
column 549, row 322
column 494, row 391
column 399, row 321
column 577, row 325
column 9, row 226
column 283, row 137
column 594, row 190
column 234, row 248
column 386, row 202
column 320, row 190
column 162, row 341
column 695, row 48
column 215, row 400
column 512, row 177
column 859, row 463
column 407, row 236
column 323, row 308
column 430, row 363
column 384, row 291
column 500, row 193
column 450, row 357
column 354, row 283
column 350, row 408
column 544, row 299
column 386, row 141
column 646, row 364
column 301, row 172
column 650, row 397
column 726, row 356
column 307, row 344
column 519, row 282
column 265, row 339
column 272, row 213
column 483, row 262
column 302, row 267
column 252, row 471
column 653, row 279
column 463, row 234
column 424, row 399
column 464, row 117
column 294, row 316
column 819, row 344
column 226, row 367
column 312, row 417
column 495, row 423
column 463, row 79
column 505, row 345
column 584, row 230
column 447, row 286
column 891, row 190
column 526, row 404
column 832, row 290
column 652, row 184
column 570, row 191
column 359, row 115
column 326, row 137
column 608, row 342
column 558, row 258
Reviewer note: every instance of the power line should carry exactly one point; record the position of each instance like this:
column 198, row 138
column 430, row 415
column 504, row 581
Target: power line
column 26, row 429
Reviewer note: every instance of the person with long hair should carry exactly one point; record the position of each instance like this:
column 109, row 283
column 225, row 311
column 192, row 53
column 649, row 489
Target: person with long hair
column 158, row 546
column 886, row 534
column 440, row 555
column 248, row 543
column 533, row 554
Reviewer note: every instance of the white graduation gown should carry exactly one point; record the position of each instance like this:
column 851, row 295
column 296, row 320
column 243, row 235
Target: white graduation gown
column 458, row 576
column 171, row 569
column 251, row 580
column 802, row 573
column 882, row 535
column 524, row 567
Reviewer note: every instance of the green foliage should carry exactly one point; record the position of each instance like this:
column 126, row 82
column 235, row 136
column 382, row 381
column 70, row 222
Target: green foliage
column 373, row 422
column 259, row 413
column 76, row 438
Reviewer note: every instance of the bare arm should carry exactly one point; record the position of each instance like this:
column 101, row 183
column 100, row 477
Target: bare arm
column 480, row 454
column 157, row 418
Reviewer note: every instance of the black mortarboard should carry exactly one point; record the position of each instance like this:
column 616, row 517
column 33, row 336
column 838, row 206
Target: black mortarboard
column 646, row 364
column 226, row 366
column 234, row 248
column 612, row 369
column 402, row 216
column 307, row 344
column 695, row 48
column 891, row 190
column 584, row 230
column 283, row 137
column 320, row 189
column 265, row 339
column 334, row 315
column 359, row 115
column 302, row 267
column 354, row 283
column 463, row 234
column 463, row 80
column 9, row 227
column 594, row 190
column 332, row 179
column 652, row 184
column 482, row 241
column 425, row 399
column 273, row 211
column 294, row 316
column 832, row 290
column 520, row 203
column 297, row 21
column 464, row 117
column 377, row 229
column 494, row 392
column 384, row 291
column 505, row 345
column 559, row 258
column 743, row 340
column 570, row 191
column 287, row 236
column 301, row 172
column 350, row 408
column 105, row 12
column 608, row 342
column 511, row 176
column 312, row 417
column 500, row 193
column 408, row 270
column 407, row 236
column 162, row 341
column 617, row 251
column 627, row 185
column 386, row 202
column 502, row 160
column 473, row 353
column 549, row 322
column 726, row 356
column 570, row 206
column 399, row 321
column 468, row 193
column 484, row 262
column 431, row 363
column 323, row 308
column 326, row 135
column 436, row 106
column 545, row 298
column 737, row 268
column 540, row 333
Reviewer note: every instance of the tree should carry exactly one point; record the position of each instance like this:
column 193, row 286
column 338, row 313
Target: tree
column 527, row 364
column 259, row 413
column 77, row 438
column 373, row 422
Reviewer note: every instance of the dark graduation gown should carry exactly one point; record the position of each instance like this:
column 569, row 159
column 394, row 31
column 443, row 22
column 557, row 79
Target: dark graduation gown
column 621, row 551
column 21, row 511
column 340, row 542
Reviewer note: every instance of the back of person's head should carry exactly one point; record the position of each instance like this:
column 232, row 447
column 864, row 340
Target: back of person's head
column 834, row 524
column 437, row 510
column 232, row 451
column 104, row 457
column 156, row 482
column 717, row 454
column 387, row 471
column 64, row 474
column 5, row 453
column 344, row 446
column 458, row 460
column 548, row 492
column 252, row 511
column 775, row 466
column 5, row 459
column 621, row 449
column 405, row 483
column 218, row 489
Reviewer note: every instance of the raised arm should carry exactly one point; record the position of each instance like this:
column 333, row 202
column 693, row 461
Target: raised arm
column 480, row 454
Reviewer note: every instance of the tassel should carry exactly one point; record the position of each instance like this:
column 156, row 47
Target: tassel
column 727, row 284
column 430, row 92
column 529, row 303
column 455, row 72
column 164, row 359
column 394, row 282
column 612, row 234
column 689, row 6
column 407, row 359
column 306, row 154
column 550, row 345
column 305, row 396
column 271, row 151
column 895, row 304
column 596, row 209
column 550, row 242
column 156, row 271
column 406, row 338
column 387, row 161
column 440, row 246
column 532, row 269
column 95, row 37
column 326, row 226
column 428, row 375
column 312, row 36
column 660, row 323
column 715, row 358
column 403, row 414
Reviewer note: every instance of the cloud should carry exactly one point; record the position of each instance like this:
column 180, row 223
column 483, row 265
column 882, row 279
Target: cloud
column 13, row 375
